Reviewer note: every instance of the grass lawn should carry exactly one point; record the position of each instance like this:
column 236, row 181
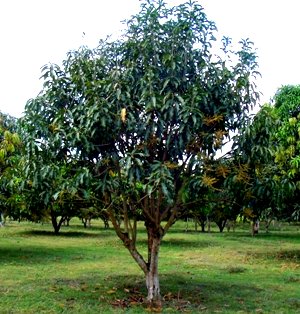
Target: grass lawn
column 89, row 271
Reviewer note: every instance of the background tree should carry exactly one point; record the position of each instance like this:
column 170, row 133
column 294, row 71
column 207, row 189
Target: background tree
column 287, row 155
column 10, row 149
column 266, row 154
column 211, row 199
column 52, row 182
column 252, row 179
column 143, row 114
column 197, row 206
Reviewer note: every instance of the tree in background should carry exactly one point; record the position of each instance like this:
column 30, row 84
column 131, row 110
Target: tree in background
column 52, row 181
column 10, row 147
column 141, row 116
column 266, row 153
column 252, row 177
column 211, row 199
column 287, row 155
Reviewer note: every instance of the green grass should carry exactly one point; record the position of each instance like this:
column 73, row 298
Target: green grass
column 89, row 271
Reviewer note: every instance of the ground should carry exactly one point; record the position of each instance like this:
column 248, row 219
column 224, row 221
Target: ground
column 89, row 271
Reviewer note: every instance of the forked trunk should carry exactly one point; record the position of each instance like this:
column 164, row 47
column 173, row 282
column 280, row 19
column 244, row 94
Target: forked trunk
column 149, row 266
column 56, row 224
column 221, row 224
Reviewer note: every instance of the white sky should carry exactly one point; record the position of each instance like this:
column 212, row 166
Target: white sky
column 35, row 32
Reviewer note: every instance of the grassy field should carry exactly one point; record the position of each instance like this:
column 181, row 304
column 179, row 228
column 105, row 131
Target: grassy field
column 88, row 271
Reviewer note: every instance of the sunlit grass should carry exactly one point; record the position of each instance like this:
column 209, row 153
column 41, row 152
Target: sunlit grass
column 89, row 271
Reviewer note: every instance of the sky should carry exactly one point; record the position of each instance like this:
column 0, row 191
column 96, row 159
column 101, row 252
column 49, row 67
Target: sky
column 36, row 32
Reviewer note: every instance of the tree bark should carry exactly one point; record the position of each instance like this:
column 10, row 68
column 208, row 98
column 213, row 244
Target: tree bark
column 255, row 227
column 152, row 278
column 2, row 219
column 149, row 266
column 55, row 225
column 208, row 225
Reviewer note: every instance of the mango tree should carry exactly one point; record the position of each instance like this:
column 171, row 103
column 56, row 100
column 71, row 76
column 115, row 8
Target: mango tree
column 253, row 168
column 211, row 199
column 51, row 181
column 287, row 154
column 266, row 153
column 10, row 152
column 143, row 114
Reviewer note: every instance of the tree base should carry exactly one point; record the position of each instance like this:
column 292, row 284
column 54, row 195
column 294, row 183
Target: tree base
column 154, row 305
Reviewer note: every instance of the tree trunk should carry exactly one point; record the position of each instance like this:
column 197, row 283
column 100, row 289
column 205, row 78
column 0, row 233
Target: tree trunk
column 208, row 224
column 89, row 222
column 186, row 224
column 1, row 219
column 152, row 279
column 202, row 224
column 221, row 224
column 255, row 227
column 84, row 222
column 56, row 224
column 150, row 266
column 68, row 221
column 268, row 223
column 106, row 224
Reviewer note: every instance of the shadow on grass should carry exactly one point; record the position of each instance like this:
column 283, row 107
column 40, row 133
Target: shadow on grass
column 270, row 236
column 192, row 231
column 292, row 255
column 113, row 293
column 29, row 255
column 184, row 243
column 180, row 293
column 70, row 234
column 19, row 255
